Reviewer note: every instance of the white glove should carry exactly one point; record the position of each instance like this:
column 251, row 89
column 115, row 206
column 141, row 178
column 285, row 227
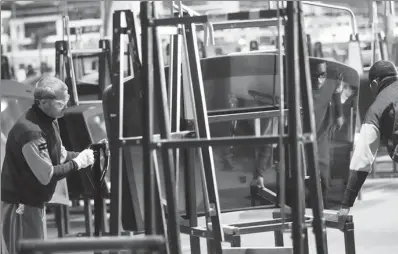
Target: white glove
column 356, row 137
column 85, row 158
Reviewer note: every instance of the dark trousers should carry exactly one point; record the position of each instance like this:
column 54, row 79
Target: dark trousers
column 324, row 162
column 323, row 166
column 264, row 158
column 24, row 225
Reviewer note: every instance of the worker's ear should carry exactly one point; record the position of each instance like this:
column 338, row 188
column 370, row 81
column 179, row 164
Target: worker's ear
column 374, row 84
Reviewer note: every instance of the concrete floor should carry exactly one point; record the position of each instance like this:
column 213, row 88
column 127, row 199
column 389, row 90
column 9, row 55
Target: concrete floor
column 375, row 218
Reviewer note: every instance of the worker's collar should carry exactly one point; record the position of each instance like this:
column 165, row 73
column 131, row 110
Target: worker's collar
column 41, row 115
column 386, row 82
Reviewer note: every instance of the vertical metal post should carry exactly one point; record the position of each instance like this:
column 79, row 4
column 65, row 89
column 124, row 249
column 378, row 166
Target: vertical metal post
column 117, row 153
column 311, row 148
column 58, row 59
column 190, row 186
column 101, row 71
column 63, row 67
column 98, row 200
column 204, row 132
column 175, row 92
column 104, row 69
column 295, row 165
column 281, row 124
column 173, row 229
column 147, row 107
column 70, row 71
column 190, row 114
column 133, row 44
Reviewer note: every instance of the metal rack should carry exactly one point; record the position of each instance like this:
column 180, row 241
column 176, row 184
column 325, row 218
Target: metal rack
column 194, row 139
column 64, row 67
column 217, row 232
column 64, row 70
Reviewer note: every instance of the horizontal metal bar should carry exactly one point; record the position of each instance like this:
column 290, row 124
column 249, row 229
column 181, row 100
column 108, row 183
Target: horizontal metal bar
column 180, row 20
column 196, row 231
column 256, row 223
column 232, row 210
column 93, row 244
column 86, row 51
column 131, row 141
column 223, row 141
column 203, row 232
column 91, row 102
column 260, row 207
column 268, row 250
column 331, row 218
column 236, row 24
column 257, row 227
column 245, row 116
column 268, row 228
column 218, row 112
column 261, row 14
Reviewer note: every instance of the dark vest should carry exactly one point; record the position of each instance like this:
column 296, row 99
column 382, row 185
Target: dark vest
column 383, row 113
column 18, row 183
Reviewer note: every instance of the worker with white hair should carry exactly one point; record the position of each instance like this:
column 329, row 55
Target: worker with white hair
column 35, row 160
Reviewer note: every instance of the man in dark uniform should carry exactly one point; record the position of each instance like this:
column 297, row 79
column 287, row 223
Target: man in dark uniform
column 380, row 124
column 34, row 161
column 324, row 94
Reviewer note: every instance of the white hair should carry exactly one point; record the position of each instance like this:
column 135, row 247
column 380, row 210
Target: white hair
column 47, row 87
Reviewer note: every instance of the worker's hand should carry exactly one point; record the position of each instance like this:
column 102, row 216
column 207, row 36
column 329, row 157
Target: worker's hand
column 85, row 158
column 339, row 122
column 342, row 216
column 103, row 141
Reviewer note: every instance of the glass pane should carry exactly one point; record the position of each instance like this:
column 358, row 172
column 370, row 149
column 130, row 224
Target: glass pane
column 96, row 126
column 11, row 110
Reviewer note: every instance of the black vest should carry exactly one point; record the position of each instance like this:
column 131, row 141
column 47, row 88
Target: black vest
column 18, row 183
column 383, row 113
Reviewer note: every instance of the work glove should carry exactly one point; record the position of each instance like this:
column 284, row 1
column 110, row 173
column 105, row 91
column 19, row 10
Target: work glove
column 339, row 122
column 342, row 216
column 84, row 159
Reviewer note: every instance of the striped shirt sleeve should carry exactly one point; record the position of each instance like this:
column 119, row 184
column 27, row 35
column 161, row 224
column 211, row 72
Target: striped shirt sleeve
column 365, row 151
column 365, row 148
column 38, row 159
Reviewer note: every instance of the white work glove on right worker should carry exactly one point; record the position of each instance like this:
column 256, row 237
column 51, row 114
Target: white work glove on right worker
column 84, row 159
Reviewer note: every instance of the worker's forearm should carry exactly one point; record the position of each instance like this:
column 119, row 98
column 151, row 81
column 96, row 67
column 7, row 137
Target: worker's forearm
column 61, row 171
column 338, row 106
column 354, row 185
column 365, row 151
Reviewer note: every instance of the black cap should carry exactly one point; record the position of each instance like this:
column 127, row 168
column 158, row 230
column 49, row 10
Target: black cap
column 382, row 69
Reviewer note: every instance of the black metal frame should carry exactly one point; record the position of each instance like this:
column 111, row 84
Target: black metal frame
column 78, row 244
column 154, row 85
column 331, row 219
column 64, row 71
column 295, row 136
column 154, row 220
column 64, row 65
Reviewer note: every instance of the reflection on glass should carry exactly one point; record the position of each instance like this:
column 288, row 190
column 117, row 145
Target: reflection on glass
column 11, row 110
column 97, row 128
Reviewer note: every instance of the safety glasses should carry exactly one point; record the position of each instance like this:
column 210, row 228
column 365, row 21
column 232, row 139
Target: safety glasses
column 319, row 75
column 62, row 103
